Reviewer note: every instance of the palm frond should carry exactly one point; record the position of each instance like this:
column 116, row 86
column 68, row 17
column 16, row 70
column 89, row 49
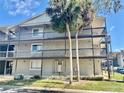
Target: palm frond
column 78, row 12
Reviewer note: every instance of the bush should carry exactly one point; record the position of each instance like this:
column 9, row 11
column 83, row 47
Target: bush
column 36, row 77
column 92, row 78
column 98, row 78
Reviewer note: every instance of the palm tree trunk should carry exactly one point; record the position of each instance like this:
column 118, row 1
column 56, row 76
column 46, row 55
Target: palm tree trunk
column 70, row 53
column 77, row 57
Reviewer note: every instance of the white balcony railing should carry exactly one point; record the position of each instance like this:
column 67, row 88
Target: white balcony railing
column 53, row 53
column 28, row 35
column 4, row 54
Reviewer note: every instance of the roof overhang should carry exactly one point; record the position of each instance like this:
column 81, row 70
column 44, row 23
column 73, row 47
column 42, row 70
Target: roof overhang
column 4, row 30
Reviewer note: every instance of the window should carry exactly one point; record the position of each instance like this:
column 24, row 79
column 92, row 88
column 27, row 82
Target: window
column 60, row 66
column 3, row 47
column 11, row 47
column 35, row 64
column 37, row 32
column 36, row 47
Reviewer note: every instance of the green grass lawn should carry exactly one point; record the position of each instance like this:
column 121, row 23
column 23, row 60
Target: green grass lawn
column 115, row 75
column 101, row 86
column 118, row 76
column 83, row 85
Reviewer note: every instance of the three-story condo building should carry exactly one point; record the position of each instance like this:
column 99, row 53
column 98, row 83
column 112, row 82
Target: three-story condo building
column 34, row 48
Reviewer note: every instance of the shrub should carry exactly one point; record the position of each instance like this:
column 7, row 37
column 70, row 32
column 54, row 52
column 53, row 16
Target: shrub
column 36, row 77
column 98, row 78
column 92, row 78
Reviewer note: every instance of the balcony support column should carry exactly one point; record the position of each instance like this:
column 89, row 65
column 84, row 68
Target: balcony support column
column 107, row 53
column 41, row 68
column 108, row 62
column 42, row 60
column 5, row 67
column 15, row 65
column 65, row 50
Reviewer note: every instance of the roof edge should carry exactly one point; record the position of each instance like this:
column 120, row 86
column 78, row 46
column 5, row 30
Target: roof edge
column 35, row 16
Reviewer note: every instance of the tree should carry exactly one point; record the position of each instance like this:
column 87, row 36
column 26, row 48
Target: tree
column 85, row 16
column 87, row 11
column 61, row 13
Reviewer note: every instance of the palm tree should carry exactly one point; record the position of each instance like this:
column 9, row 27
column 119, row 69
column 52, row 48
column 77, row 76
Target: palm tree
column 63, row 19
column 87, row 11
column 85, row 14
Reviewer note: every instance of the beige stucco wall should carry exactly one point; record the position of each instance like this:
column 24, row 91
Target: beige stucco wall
column 23, row 67
column 86, row 67
column 50, row 67
column 55, row 44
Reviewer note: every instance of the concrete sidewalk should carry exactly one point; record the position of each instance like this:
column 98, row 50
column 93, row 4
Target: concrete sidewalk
column 14, row 89
column 60, row 90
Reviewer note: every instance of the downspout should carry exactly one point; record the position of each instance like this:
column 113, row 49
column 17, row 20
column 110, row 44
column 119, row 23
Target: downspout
column 17, row 48
column 7, row 53
column 101, row 61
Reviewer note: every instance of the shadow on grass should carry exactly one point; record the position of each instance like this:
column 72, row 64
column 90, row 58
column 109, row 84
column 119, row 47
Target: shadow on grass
column 18, row 82
column 119, row 81
column 85, row 85
column 52, row 81
column 31, row 82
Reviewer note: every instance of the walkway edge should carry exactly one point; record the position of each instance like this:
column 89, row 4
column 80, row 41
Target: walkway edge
column 68, row 90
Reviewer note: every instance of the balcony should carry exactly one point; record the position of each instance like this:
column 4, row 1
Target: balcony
column 4, row 38
column 28, row 35
column 53, row 53
column 2, row 54
column 5, row 54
